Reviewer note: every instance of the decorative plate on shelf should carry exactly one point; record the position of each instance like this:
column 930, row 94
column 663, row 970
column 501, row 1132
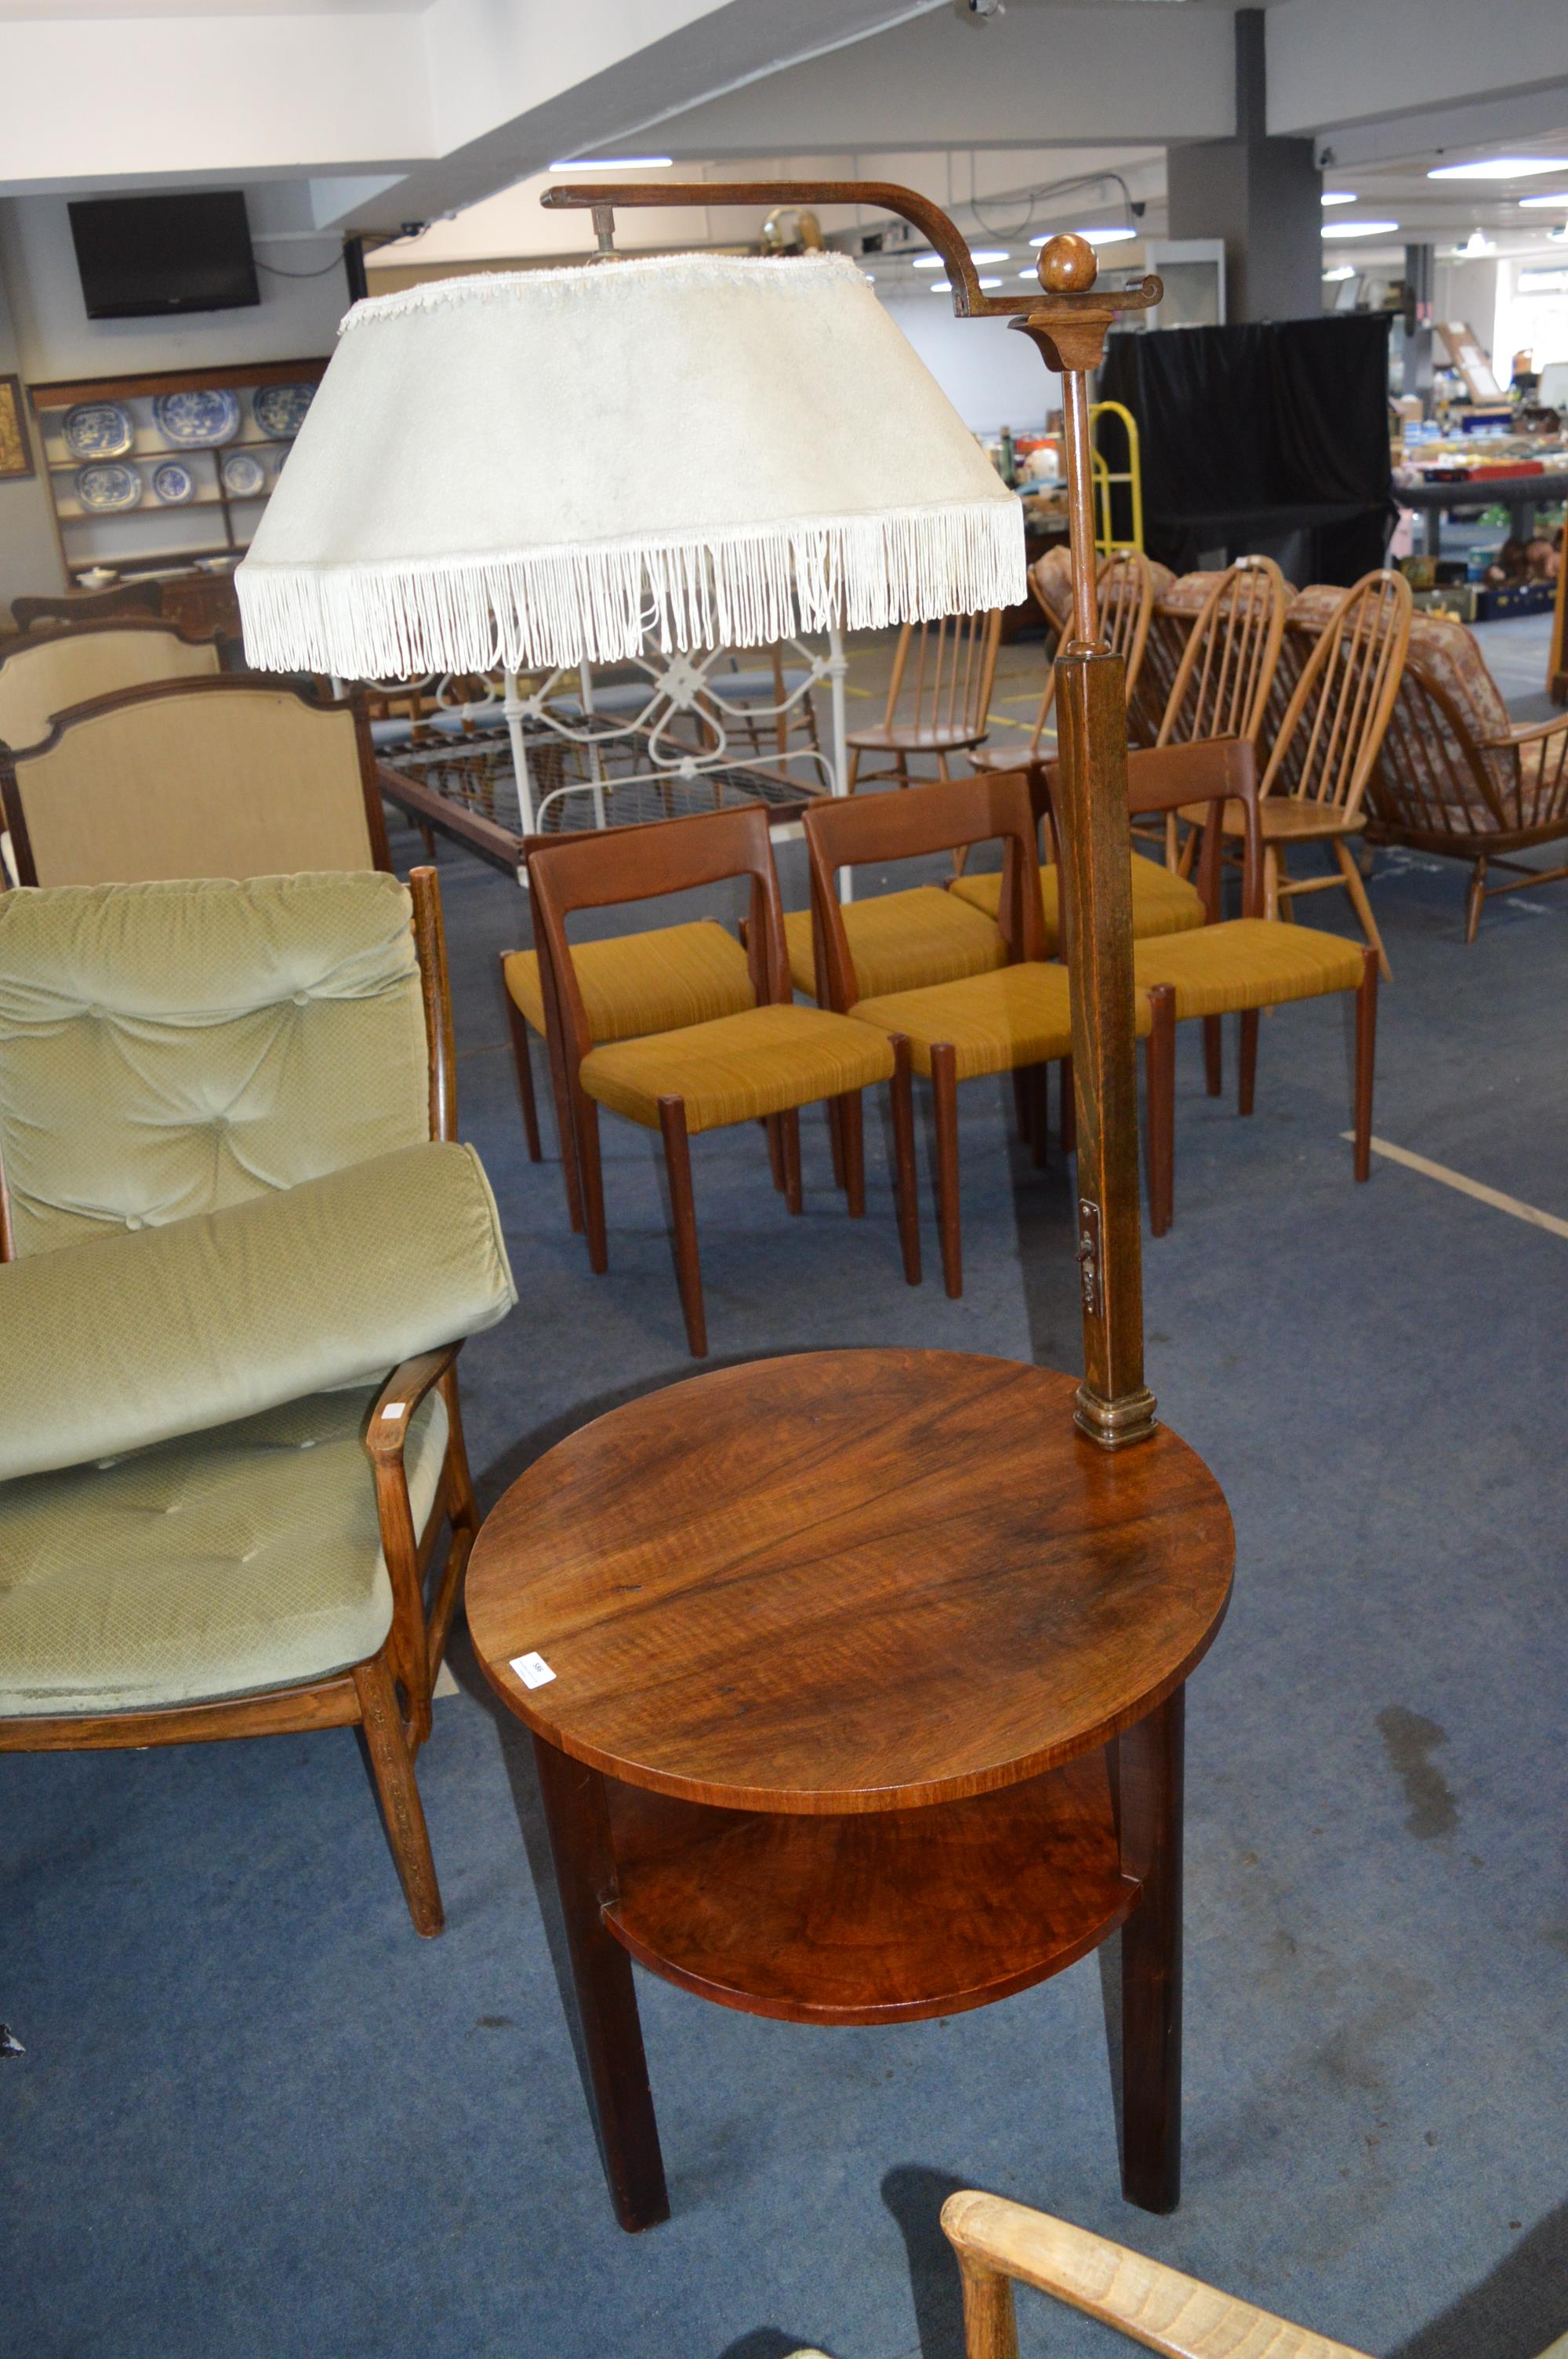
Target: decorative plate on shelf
column 279, row 409
column 195, row 420
column 174, row 483
column 244, row 477
column 104, row 489
column 98, row 430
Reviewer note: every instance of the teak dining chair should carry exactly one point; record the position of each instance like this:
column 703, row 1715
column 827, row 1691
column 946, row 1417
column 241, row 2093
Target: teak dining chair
column 1328, row 741
column 245, row 1045
column 939, row 706
column 761, row 1063
column 1015, row 1018
column 1126, row 593
column 1240, row 965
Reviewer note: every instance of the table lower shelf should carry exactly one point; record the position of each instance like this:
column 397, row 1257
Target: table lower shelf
column 876, row 1918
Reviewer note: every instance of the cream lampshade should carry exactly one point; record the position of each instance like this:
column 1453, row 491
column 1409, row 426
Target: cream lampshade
column 541, row 467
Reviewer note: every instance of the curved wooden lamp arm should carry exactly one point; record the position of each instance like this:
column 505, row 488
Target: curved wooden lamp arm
column 997, row 2241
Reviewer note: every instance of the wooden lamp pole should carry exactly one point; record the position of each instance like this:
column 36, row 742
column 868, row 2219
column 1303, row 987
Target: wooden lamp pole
column 1069, row 321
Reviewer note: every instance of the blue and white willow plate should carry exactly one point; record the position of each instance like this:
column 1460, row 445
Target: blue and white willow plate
column 105, row 488
column 174, row 483
column 98, row 430
column 279, row 409
column 243, row 476
column 196, row 421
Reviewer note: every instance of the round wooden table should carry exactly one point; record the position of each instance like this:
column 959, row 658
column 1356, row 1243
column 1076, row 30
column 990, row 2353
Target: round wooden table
column 856, row 1685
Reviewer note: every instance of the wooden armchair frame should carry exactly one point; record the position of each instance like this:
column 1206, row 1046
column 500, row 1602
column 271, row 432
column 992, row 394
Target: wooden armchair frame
column 12, row 765
column 388, row 1695
column 1434, row 789
column 999, row 2244
column 954, row 666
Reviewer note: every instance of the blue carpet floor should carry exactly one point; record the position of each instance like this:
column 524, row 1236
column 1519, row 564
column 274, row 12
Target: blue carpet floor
column 257, row 2115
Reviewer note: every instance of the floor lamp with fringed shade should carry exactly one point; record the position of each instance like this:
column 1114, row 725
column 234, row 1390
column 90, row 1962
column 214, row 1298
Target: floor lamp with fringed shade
column 855, row 1679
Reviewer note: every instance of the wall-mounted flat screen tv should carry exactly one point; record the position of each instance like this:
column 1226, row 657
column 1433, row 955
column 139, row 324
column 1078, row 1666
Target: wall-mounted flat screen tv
column 143, row 257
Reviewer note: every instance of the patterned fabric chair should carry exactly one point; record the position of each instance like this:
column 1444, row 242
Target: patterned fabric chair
column 1457, row 777
column 229, row 1205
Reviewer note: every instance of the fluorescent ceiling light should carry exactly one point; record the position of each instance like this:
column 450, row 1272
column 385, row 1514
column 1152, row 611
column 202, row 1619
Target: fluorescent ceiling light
column 1341, row 271
column 990, row 253
column 615, row 164
column 1336, row 230
column 1500, row 167
column 1541, row 282
column 1095, row 237
column 942, row 287
column 1477, row 243
column 1558, row 199
column 928, row 262
column 1339, row 197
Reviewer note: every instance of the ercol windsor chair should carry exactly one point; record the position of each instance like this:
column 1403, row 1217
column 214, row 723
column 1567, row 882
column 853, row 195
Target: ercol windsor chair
column 999, row 2244
column 939, row 706
column 1327, row 743
column 252, row 1054
column 1126, row 594
column 1236, row 966
column 49, row 670
column 233, row 777
column 1015, row 1018
column 1457, row 777
column 763, row 1062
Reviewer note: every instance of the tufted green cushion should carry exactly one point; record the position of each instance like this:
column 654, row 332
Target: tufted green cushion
column 132, row 1339
column 168, row 1048
column 244, row 1558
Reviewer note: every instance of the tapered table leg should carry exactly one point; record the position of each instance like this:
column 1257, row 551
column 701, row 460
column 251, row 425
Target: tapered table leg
column 577, row 1816
column 1149, row 1778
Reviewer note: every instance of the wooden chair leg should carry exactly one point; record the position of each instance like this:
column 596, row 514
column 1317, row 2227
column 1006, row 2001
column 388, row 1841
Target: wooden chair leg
column 1214, row 1055
column 789, row 1132
column 1160, row 1070
column 905, row 1185
column 392, row 1765
column 849, row 782
column 1360, row 904
column 852, row 1133
column 577, row 1816
column 590, row 1173
column 525, row 1064
column 1150, row 1795
column 683, row 1223
column 945, row 1096
column 1246, row 1073
column 1476, row 898
column 1039, row 1079
column 1366, row 1055
column 1069, row 1110
column 990, row 2321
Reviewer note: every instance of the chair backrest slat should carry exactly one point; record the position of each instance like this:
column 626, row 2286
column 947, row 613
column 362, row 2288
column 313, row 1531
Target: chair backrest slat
column 955, row 665
column 1333, row 724
column 1222, row 682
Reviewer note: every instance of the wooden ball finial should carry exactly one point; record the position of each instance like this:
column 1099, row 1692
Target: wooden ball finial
column 1067, row 264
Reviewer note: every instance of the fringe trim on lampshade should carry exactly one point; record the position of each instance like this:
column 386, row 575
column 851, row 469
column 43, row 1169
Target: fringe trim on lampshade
column 738, row 588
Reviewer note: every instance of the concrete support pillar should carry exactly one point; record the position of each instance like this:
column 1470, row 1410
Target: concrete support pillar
column 1263, row 196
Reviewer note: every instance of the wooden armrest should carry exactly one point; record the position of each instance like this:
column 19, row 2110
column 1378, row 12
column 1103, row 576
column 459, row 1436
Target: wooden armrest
column 399, row 1398
column 1156, row 2306
column 1527, row 733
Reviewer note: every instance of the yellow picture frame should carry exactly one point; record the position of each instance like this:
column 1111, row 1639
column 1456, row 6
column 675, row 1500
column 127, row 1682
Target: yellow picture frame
column 15, row 443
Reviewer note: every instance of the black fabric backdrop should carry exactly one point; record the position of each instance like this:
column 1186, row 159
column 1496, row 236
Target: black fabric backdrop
column 1254, row 432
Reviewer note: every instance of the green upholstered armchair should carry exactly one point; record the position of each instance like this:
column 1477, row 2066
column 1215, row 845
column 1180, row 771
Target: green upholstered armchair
column 238, row 1253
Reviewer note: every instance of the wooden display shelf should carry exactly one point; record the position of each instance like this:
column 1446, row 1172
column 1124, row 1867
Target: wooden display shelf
column 870, row 1918
column 177, row 451
column 66, row 393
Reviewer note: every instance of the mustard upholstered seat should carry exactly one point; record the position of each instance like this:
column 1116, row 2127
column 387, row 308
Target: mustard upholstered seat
column 901, row 941
column 1020, row 1015
column 644, row 983
column 219, row 1564
column 737, row 1069
column 1162, row 902
column 1247, row 963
